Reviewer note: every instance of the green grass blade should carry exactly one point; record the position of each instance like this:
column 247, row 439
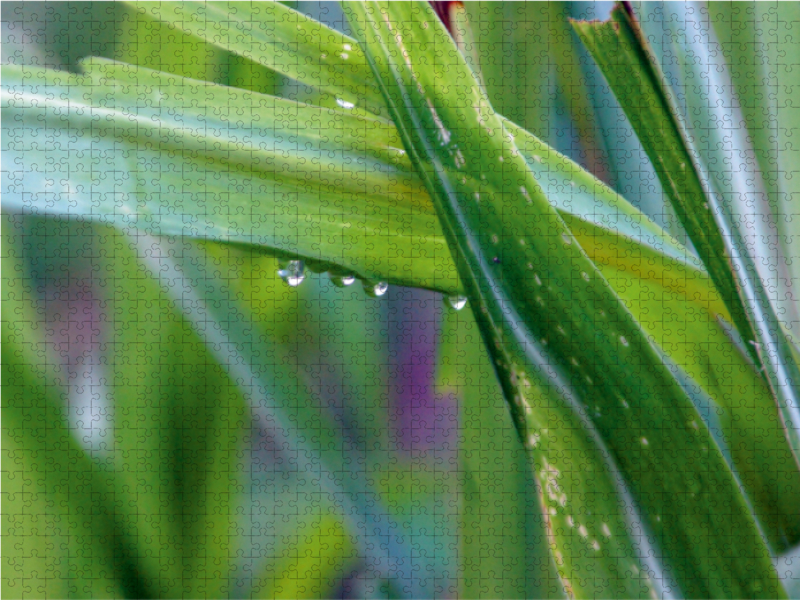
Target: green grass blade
column 535, row 294
column 275, row 190
column 739, row 160
column 499, row 508
column 709, row 219
column 179, row 422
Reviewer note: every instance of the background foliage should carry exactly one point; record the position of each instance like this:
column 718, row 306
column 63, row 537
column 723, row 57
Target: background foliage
column 179, row 422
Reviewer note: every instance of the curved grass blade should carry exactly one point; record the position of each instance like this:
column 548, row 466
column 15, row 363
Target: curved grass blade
column 536, row 295
column 358, row 191
column 619, row 48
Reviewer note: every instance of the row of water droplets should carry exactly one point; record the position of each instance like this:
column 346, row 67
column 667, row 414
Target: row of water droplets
column 293, row 274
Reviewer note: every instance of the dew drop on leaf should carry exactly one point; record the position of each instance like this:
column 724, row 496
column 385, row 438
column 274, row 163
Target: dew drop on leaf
column 376, row 290
column 292, row 272
column 456, row 302
column 342, row 280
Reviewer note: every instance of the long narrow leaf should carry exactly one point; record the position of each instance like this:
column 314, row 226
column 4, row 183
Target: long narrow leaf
column 536, row 295
column 277, row 177
column 520, row 564
column 621, row 51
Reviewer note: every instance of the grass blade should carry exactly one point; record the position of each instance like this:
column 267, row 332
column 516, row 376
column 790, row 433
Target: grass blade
column 619, row 48
column 275, row 191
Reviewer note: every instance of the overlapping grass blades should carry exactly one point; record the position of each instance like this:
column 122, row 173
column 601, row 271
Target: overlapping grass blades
column 552, row 323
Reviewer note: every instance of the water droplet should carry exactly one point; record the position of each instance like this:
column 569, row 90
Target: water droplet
column 645, row 442
column 456, row 302
column 582, row 530
column 536, row 278
column 292, row 272
column 624, row 341
column 585, row 276
column 496, row 260
column 376, row 290
column 495, row 239
column 477, row 197
column 570, row 521
column 344, row 103
column 345, row 55
column 606, row 530
column 341, row 280
column 595, row 545
column 347, row 47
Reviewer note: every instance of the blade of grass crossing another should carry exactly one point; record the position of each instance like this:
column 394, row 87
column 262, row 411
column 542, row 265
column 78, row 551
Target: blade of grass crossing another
column 543, row 306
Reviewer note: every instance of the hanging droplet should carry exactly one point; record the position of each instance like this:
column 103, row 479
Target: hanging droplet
column 292, row 272
column 340, row 280
column 456, row 302
column 376, row 290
